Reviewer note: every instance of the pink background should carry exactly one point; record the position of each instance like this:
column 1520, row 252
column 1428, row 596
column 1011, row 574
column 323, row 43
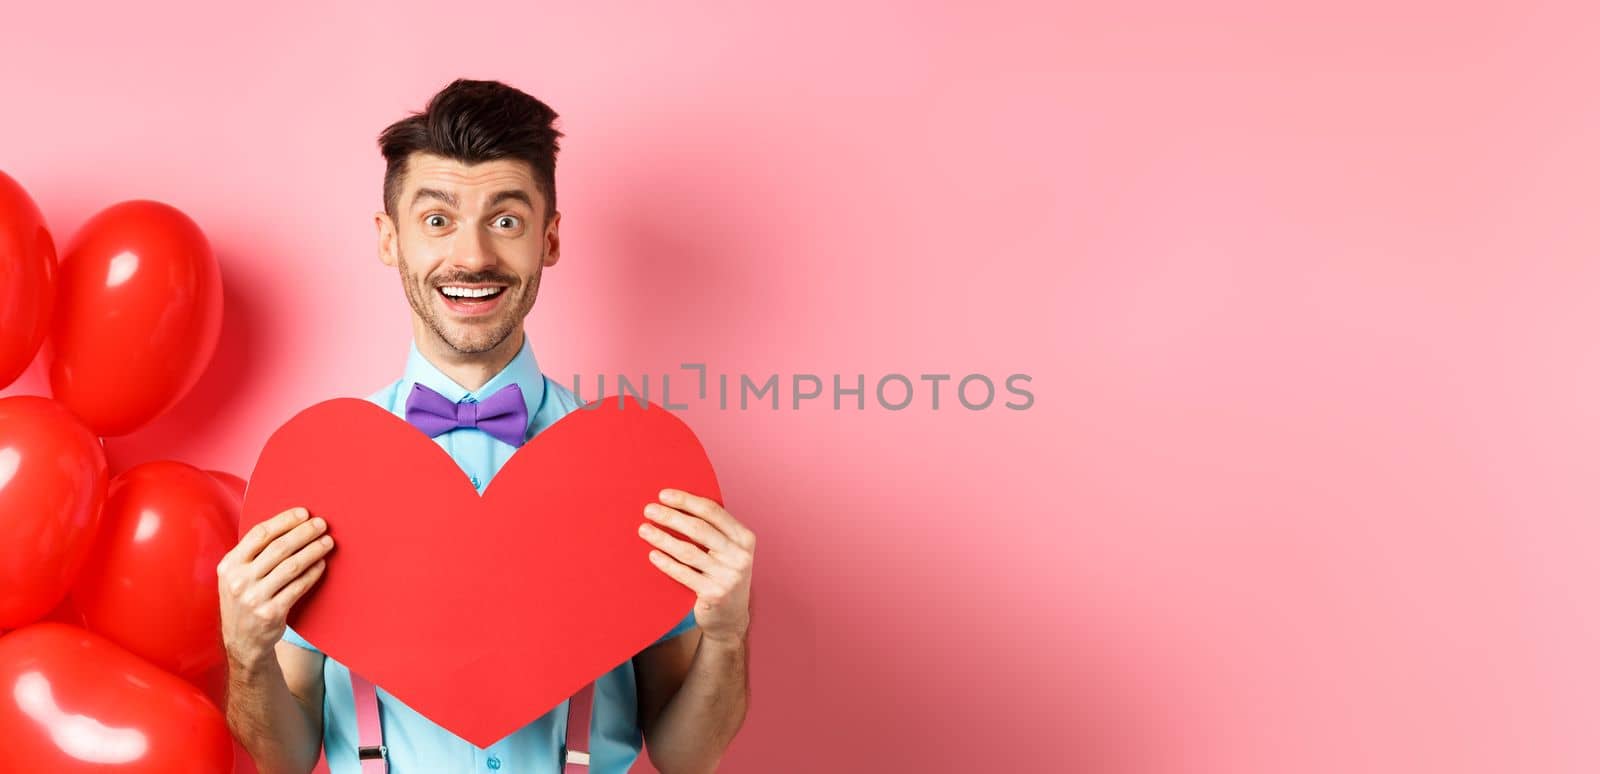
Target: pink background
column 1308, row 298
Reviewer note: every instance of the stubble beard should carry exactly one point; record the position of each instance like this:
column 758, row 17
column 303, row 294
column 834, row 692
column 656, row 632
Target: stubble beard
column 471, row 338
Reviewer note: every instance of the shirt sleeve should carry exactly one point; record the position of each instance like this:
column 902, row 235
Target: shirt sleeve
column 686, row 624
column 293, row 638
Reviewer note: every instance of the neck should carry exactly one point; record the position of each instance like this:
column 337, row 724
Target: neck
column 471, row 370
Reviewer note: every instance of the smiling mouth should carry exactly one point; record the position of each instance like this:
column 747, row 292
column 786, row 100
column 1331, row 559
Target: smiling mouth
column 470, row 300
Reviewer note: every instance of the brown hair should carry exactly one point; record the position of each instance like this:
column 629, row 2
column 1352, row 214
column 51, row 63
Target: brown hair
column 472, row 122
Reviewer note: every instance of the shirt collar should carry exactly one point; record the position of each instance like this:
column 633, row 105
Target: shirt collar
column 523, row 371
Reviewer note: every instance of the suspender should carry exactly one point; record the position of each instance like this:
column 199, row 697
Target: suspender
column 574, row 754
column 374, row 754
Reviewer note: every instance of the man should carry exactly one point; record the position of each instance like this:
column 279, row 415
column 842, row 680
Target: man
column 470, row 222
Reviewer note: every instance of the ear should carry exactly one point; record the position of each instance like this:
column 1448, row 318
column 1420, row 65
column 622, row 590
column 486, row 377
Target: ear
column 386, row 237
column 552, row 240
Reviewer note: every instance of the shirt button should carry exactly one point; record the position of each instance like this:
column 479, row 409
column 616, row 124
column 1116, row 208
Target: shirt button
column 494, row 763
column 474, row 481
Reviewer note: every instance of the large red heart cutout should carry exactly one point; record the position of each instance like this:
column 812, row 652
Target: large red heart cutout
column 482, row 613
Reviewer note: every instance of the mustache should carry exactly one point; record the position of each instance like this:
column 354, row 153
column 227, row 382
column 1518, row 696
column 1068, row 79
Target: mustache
column 475, row 279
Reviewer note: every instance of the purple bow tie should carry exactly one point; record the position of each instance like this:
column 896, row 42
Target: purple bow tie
column 503, row 415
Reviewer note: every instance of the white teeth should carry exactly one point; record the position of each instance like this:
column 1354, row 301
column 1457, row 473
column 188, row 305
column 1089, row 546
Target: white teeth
column 469, row 292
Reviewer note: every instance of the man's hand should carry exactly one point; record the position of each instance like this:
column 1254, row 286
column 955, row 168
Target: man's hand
column 275, row 564
column 719, row 574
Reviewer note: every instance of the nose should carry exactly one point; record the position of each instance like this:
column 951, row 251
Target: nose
column 472, row 251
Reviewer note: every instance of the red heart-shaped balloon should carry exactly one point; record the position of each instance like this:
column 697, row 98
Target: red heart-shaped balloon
column 76, row 702
column 150, row 582
column 482, row 613
column 28, row 263
column 137, row 315
column 52, row 487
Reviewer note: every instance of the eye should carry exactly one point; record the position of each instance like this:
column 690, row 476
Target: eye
column 507, row 221
column 435, row 220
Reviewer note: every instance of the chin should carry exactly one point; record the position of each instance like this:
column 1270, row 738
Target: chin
column 472, row 337
column 476, row 342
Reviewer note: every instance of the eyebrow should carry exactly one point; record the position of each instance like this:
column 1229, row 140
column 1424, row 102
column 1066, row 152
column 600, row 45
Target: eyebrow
column 514, row 193
column 450, row 198
column 424, row 193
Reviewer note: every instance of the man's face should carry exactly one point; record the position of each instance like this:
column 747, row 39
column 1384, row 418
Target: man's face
column 470, row 243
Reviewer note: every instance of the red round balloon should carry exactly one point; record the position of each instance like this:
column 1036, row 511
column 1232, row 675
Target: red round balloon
column 150, row 582
column 139, row 313
column 27, row 279
column 75, row 702
column 52, row 484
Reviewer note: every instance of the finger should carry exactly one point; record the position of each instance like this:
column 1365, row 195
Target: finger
column 713, row 512
column 698, row 583
column 264, row 533
column 682, row 550
column 286, row 544
column 295, row 564
column 298, row 587
column 691, row 527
